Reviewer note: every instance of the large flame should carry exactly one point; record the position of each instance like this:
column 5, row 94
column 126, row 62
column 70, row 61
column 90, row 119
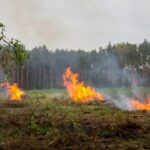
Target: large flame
column 78, row 92
column 16, row 94
column 141, row 106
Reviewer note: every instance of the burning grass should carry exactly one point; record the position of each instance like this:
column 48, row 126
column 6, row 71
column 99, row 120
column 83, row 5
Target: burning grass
column 78, row 91
column 54, row 122
column 15, row 93
column 141, row 106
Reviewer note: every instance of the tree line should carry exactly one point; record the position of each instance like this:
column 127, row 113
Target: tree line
column 122, row 64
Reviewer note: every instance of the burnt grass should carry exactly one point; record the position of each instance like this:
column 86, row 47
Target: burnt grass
column 58, row 124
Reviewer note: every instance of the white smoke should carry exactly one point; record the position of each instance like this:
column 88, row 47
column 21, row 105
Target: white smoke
column 129, row 88
column 4, row 94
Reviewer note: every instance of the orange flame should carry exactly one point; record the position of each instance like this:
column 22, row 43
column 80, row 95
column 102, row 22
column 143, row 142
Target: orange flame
column 16, row 93
column 141, row 106
column 78, row 92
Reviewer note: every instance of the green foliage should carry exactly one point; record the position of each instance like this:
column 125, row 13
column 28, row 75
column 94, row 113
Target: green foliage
column 6, row 59
column 12, row 52
column 20, row 53
column 128, row 52
column 144, row 50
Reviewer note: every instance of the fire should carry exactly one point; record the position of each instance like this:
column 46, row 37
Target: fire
column 16, row 93
column 141, row 106
column 78, row 92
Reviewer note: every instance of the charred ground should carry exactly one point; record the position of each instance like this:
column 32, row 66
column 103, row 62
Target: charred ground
column 47, row 122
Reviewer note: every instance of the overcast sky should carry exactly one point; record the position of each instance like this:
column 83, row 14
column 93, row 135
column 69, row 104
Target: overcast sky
column 85, row 24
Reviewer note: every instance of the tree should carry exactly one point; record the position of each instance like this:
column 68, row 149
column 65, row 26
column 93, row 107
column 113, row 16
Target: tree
column 128, row 53
column 144, row 50
column 12, row 53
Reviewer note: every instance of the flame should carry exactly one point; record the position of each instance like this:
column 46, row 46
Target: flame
column 78, row 92
column 16, row 93
column 141, row 106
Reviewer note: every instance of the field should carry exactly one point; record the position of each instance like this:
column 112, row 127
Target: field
column 49, row 120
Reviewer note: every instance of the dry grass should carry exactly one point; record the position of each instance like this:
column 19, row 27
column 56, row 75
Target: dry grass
column 56, row 123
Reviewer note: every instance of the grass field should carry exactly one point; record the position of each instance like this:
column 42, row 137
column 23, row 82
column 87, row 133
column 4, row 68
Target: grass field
column 49, row 120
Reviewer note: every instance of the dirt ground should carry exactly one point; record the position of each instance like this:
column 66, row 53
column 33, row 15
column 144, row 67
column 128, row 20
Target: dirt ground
column 43, row 123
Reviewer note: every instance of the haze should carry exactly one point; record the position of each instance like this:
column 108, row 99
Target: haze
column 73, row 24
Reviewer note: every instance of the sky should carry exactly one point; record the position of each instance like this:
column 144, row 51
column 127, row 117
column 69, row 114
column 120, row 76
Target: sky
column 74, row 24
